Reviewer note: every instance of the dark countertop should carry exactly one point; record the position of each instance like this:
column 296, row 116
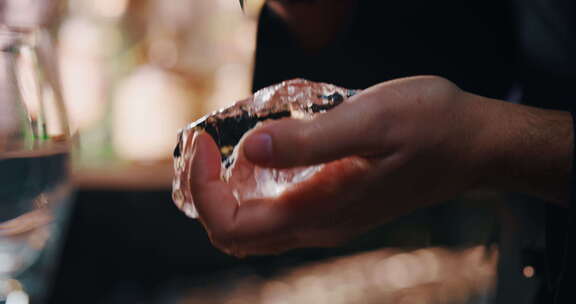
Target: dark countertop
column 134, row 246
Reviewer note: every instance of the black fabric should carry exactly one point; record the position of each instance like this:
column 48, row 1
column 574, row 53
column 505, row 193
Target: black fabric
column 547, row 71
column 565, row 240
column 469, row 43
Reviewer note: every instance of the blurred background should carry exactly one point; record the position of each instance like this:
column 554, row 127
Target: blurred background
column 133, row 72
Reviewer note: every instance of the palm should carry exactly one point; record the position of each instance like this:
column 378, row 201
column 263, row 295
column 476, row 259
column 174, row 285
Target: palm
column 381, row 160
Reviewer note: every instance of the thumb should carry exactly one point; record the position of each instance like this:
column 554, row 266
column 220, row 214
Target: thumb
column 343, row 131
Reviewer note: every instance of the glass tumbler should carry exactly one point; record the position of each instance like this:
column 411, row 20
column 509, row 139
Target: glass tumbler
column 35, row 186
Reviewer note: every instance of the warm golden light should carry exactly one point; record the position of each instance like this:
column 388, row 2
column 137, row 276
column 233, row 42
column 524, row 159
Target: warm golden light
column 149, row 108
column 528, row 271
column 82, row 68
column 110, row 8
column 134, row 72
column 429, row 276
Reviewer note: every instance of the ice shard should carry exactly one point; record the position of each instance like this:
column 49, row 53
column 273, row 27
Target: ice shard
column 298, row 99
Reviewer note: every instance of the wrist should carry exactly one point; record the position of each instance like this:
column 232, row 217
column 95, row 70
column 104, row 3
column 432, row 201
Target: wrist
column 527, row 150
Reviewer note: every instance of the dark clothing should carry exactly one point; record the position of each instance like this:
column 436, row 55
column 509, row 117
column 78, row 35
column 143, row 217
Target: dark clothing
column 547, row 72
column 392, row 39
column 564, row 244
column 492, row 48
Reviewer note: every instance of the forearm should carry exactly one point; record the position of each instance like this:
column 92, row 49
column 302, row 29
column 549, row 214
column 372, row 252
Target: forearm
column 314, row 23
column 530, row 150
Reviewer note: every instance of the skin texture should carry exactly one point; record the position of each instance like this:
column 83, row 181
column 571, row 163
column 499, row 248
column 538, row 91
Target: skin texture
column 396, row 147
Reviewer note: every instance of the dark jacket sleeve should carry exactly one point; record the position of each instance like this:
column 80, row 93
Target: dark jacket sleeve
column 564, row 287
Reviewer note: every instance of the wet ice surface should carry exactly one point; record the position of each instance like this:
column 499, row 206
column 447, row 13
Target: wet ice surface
column 298, row 98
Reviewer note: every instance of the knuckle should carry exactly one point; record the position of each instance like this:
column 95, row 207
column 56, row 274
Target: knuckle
column 434, row 78
column 440, row 85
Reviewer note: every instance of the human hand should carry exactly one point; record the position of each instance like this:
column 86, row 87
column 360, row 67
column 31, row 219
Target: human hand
column 395, row 147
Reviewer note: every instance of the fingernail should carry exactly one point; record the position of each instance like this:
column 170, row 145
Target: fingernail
column 258, row 148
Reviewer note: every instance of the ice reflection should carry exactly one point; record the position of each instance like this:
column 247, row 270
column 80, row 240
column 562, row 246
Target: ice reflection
column 431, row 275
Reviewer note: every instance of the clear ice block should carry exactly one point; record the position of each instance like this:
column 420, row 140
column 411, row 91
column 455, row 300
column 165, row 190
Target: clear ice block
column 298, row 99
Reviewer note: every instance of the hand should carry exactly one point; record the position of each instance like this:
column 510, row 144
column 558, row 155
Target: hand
column 395, row 147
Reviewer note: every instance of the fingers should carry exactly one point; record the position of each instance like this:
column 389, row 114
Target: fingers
column 228, row 223
column 348, row 129
column 213, row 198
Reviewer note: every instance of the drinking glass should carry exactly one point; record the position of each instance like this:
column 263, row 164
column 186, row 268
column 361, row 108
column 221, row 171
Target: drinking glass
column 34, row 164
